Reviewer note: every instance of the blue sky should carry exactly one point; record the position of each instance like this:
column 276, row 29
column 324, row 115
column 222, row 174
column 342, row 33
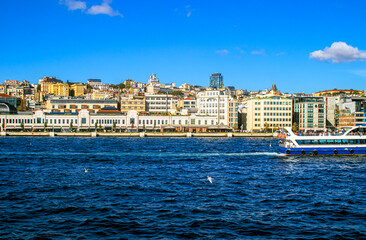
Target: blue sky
column 253, row 43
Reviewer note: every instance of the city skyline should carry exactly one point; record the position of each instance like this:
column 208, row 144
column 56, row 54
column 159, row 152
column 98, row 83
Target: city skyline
column 253, row 44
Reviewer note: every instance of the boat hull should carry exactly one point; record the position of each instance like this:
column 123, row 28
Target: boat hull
column 323, row 151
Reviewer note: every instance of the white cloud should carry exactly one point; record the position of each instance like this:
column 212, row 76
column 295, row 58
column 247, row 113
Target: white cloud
column 104, row 8
column 338, row 52
column 259, row 52
column 240, row 50
column 74, row 5
column 223, row 52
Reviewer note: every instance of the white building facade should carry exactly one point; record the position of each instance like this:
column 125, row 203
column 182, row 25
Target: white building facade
column 214, row 103
column 89, row 121
column 158, row 103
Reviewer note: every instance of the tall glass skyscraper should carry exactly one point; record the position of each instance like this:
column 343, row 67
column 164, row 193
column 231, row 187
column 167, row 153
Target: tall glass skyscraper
column 216, row 81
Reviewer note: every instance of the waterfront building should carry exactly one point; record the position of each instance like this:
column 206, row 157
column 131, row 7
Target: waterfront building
column 95, row 83
column 107, row 119
column 46, row 82
column 76, row 105
column 310, row 113
column 352, row 112
column 233, row 106
column 158, row 103
column 59, row 89
column 267, row 113
column 214, row 103
column 332, row 111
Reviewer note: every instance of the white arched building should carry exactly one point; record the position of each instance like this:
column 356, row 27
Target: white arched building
column 132, row 121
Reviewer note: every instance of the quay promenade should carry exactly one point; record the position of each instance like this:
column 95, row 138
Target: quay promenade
column 137, row 134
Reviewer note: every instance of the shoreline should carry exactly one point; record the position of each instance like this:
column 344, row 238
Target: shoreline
column 138, row 134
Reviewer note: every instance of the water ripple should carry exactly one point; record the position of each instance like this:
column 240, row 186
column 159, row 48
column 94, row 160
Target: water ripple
column 158, row 188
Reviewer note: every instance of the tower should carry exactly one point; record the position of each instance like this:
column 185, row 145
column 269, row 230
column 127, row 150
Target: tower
column 216, row 81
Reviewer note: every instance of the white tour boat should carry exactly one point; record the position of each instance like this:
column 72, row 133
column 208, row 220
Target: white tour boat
column 352, row 142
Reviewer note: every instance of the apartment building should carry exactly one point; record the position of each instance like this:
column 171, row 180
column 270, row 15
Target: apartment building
column 233, row 106
column 59, row 89
column 352, row 112
column 136, row 103
column 310, row 113
column 158, row 103
column 186, row 103
column 269, row 112
column 95, row 83
column 214, row 103
column 46, row 82
column 78, row 89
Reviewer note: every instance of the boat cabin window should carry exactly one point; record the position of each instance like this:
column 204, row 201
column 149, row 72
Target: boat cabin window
column 331, row 141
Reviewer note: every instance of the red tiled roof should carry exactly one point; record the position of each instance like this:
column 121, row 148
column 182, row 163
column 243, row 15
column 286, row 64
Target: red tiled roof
column 340, row 90
column 5, row 95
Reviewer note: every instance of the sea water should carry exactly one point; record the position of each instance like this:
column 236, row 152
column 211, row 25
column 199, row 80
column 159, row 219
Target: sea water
column 159, row 188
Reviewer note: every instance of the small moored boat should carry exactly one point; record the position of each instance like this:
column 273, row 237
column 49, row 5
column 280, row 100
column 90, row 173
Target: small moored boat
column 352, row 142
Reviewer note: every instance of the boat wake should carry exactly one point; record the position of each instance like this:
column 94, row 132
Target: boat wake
column 149, row 154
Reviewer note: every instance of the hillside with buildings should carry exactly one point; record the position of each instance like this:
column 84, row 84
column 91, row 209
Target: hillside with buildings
column 55, row 105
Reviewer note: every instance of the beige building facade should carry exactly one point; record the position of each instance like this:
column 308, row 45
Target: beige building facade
column 268, row 113
column 233, row 113
column 75, row 105
column 46, row 82
column 61, row 89
column 135, row 103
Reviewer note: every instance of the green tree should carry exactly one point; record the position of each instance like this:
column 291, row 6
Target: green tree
column 96, row 126
column 71, row 125
column 3, row 126
column 121, row 86
column 295, row 127
column 178, row 93
column 100, row 126
column 114, row 126
column 38, row 88
column 44, row 126
column 266, row 127
column 22, row 126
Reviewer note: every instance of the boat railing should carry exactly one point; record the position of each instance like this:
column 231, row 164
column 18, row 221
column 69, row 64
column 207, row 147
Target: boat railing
column 330, row 134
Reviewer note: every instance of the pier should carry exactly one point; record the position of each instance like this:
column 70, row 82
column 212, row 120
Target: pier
column 135, row 134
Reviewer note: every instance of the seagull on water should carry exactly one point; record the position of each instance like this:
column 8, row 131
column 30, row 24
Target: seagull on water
column 209, row 179
column 86, row 170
